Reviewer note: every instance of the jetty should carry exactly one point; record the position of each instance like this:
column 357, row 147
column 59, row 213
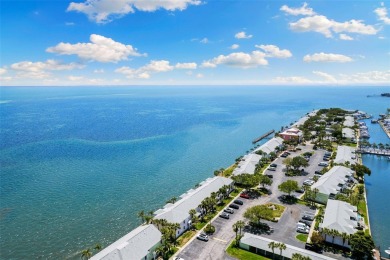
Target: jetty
column 383, row 152
column 263, row 136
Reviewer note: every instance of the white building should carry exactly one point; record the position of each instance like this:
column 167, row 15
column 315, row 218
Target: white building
column 348, row 133
column 139, row 244
column 179, row 211
column 345, row 154
column 340, row 216
column 303, row 119
column 349, row 121
column 259, row 245
column 271, row 145
column 247, row 164
column 334, row 181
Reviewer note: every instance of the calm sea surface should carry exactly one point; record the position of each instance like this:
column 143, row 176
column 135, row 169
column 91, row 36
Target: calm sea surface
column 77, row 163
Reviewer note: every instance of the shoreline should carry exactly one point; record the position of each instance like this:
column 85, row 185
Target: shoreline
column 384, row 129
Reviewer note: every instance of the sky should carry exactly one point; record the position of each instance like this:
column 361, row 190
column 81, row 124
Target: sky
column 194, row 42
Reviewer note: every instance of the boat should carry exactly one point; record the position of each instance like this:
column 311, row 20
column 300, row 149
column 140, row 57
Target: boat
column 374, row 121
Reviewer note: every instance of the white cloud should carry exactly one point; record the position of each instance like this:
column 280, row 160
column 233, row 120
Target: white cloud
column 328, row 78
column 238, row 59
column 75, row 78
column 199, row 75
column 155, row 66
column 234, row 46
column 98, row 71
column 29, row 66
column 292, row 80
column 323, row 25
column 204, row 40
column 39, row 70
column 370, row 77
column 103, row 11
column 327, row 57
column 274, row 51
column 381, row 12
column 345, row 37
column 100, row 49
column 243, row 35
column 189, row 66
column 304, row 10
column 2, row 71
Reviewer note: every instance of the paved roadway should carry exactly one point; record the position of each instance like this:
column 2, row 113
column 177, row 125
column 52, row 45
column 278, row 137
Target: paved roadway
column 285, row 232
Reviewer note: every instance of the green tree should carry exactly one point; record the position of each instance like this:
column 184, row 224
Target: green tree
column 247, row 180
column 193, row 216
column 361, row 170
column 272, row 245
column 265, row 181
column 98, row 247
column 256, row 213
column 361, row 246
column 235, row 229
column 298, row 162
column 240, row 225
column 281, row 247
column 317, row 239
column 297, row 256
column 171, row 200
column 86, row 253
column 287, row 162
column 288, row 186
column 141, row 215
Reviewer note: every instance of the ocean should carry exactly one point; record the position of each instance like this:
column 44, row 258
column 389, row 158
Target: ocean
column 78, row 163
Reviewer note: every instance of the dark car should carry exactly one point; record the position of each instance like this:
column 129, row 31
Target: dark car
column 284, row 155
column 318, row 172
column 325, row 158
column 224, row 215
column 307, row 222
column 301, row 190
column 273, row 165
column 314, row 248
column 269, row 176
column 308, row 217
column 234, row 206
column 239, row 202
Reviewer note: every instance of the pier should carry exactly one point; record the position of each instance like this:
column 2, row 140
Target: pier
column 263, row 136
column 383, row 152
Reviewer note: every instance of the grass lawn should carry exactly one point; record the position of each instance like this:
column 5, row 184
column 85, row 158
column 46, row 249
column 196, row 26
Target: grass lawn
column 277, row 212
column 200, row 225
column 243, row 254
column 183, row 239
column 228, row 172
column 302, row 237
column 362, row 208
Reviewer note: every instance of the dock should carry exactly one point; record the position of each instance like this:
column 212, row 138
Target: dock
column 263, row 136
column 383, row 152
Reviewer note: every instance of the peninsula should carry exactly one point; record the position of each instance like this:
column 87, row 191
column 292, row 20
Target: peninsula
column 300, row 195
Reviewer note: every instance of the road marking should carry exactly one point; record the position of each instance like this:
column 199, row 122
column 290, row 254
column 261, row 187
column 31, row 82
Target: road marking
column 220, row 240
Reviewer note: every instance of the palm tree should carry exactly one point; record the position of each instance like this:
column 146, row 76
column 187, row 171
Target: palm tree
column 272, row 245
column 192, row 213
column 98, row 247
column 345, row 237
column 240, row 225
column 334, row 233
column 86, row 253
column 235, row 229
column 172, row 200
column 282, row 247
column 141, row 215
column 325, row 232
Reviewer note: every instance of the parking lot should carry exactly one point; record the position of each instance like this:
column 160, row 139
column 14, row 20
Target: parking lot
column 284, row 229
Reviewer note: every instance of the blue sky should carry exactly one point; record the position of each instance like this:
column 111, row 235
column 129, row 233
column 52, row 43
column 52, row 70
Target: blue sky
column 194, row 42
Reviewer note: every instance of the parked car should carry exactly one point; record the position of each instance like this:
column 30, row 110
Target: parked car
column 234, row 206
column 284, row 155
column 271, row 168
column 202, row 237
column 229, row 210
column 301, row 225
column 298, row 149
column 323, row 164
column 224, row 215
column 301, row 190
column 178, row 258
column 269, row 176
column 244, row 195
column 303, row 230
column 273, row 165
column 308, row 217
column 314, row 248
column 239, row 202
column 308, row 182
column 306, row 222
column 326, row 158
column 318, row 172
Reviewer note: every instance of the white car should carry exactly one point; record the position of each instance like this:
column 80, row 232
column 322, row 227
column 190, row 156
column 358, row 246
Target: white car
column 323, row 164
column 308, row 182
column 303, row 230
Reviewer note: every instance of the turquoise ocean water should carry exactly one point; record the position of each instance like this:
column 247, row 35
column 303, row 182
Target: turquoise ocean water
column 77, row 164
